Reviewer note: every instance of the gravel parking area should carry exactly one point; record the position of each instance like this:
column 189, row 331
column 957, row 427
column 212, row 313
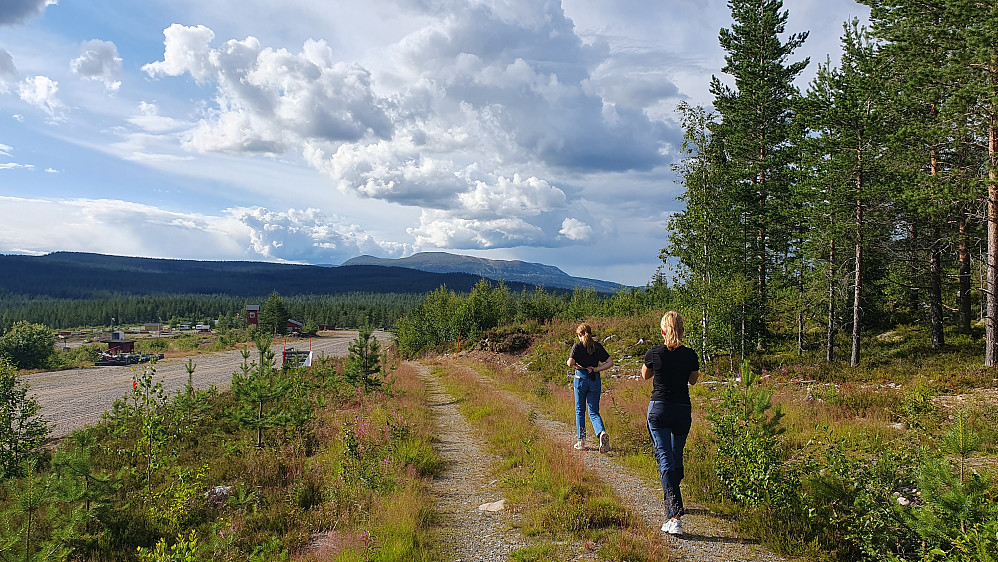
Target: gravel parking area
column 74, row 398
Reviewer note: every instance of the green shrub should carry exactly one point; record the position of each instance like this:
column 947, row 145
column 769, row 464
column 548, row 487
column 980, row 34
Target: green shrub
column 27, row 345
column 744, row 428
column 183, row 550
column 23, row 430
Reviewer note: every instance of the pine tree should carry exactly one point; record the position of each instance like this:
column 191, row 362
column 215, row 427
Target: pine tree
column 258, row 387
column 944, row 65
column 363, row 364
column 757, row 135
column 974, row 68
column 705, row 237
column 845, row 107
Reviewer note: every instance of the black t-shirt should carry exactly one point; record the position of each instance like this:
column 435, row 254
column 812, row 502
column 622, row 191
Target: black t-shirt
column 672, row 370
column 583, row 358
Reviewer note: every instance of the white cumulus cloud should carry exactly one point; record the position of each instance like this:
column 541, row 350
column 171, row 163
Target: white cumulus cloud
column 99, row 61
column 483, row 117
column 120, row 227
column 576, row 230
column 40, row 91
column 187, row 50
column 308, row 235
column 442, row 230
column 512, row 197
column 272, row 100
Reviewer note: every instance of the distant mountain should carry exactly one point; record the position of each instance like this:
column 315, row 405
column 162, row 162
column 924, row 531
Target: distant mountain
column 500, row 270
column 76, row 275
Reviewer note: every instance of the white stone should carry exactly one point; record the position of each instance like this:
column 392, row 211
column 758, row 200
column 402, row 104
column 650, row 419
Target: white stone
column 493, row 506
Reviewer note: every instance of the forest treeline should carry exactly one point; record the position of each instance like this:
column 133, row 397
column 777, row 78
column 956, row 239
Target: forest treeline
column 868, row 200
column 446, row 317
column 351, row 310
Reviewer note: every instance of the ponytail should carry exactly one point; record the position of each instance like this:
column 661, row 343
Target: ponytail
column 586, row 332
column 673, row 328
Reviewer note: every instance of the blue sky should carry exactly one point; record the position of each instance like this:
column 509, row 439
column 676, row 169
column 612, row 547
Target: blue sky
column 312, row 132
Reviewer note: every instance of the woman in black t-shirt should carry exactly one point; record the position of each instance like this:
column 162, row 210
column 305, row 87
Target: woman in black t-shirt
column 672, row 368
column 588, row 358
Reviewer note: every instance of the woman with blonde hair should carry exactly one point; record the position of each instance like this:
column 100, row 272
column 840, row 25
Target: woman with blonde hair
column 588, row 358
column 672, row 367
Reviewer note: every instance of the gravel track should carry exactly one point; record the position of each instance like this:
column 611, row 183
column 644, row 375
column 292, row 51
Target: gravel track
column 74, row 398
column 707, row 537
column 466, row 532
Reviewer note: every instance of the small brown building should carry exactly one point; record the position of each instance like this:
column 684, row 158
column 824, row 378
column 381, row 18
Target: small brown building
column 117, row 345
column 253, row 314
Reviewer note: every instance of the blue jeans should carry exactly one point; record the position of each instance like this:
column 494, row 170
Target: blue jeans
column 587, row 395
column 669, row 425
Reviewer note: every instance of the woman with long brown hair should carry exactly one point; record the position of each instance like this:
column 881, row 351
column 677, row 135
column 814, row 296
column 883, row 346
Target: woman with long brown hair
column 673, row 368
column 588, row 358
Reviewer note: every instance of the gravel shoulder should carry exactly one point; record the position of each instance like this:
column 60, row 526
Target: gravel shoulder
column 74, row 398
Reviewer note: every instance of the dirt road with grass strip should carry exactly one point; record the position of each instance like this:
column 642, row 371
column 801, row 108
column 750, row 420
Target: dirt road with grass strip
column 74, row 398
column 467, row 530
column 706, row 538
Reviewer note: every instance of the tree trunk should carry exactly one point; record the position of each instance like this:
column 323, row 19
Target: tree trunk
column 935, row 266
column 743, row 331
column 706, row 305
column 857, row 287
column 990, row 337
column 858, row 278
column 763, row 257
column 936, row 291
column 800, row 334
column 830, row 332
column 965, row 282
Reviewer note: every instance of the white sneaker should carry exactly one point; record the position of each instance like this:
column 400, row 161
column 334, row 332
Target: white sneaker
column 580, row 445
column 673, row 527
column 604, row 442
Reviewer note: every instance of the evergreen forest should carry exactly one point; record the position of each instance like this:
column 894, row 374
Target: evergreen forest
column 866, row 201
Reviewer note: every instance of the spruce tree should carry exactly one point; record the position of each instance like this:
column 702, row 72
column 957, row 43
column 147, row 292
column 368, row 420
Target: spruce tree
column 274, row 315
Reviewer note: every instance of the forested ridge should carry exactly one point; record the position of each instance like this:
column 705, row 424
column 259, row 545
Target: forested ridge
column 866, row 201
column 84, row 275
